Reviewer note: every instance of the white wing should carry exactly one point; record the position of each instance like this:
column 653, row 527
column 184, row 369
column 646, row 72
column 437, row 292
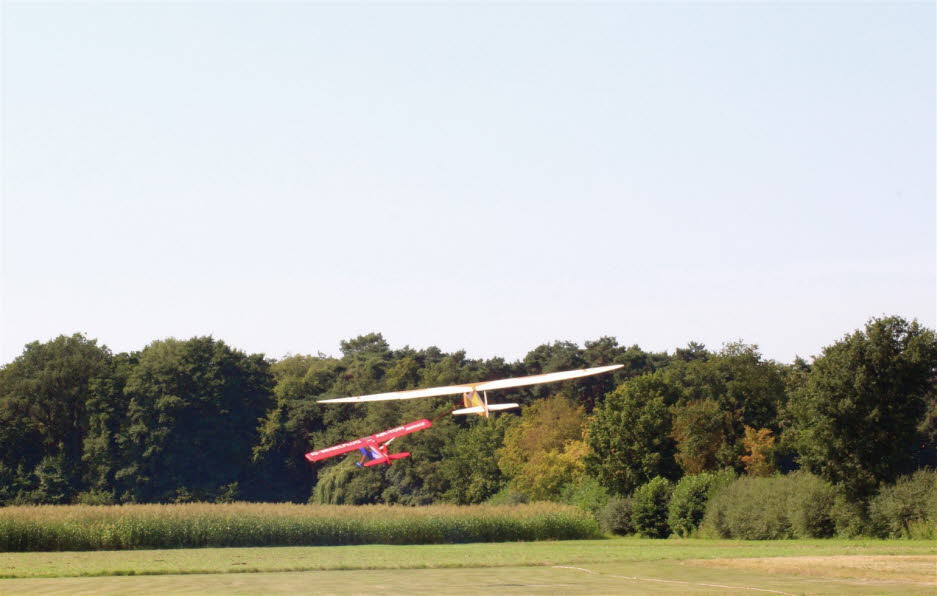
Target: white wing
column 410, row 394
column 485, row 386
column 546, row 378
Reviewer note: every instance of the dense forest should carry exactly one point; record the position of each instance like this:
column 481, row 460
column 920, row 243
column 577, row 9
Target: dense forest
column 198, row 420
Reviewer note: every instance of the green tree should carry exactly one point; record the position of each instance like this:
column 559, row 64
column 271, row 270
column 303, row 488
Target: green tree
column 43, row 415
column 747, row 389
column 925, row 454
column 692, row 351
column 107, row 419
column 604, row 351
column 372, row 344
column 546, row 358
column 365, row 360
column 542, row 452
column 344, row 483
column 193, row 415
column 699, row 430
column 470, row 464
column 629, row 435
column 855, row 419
column 404, row 373
column 449, row 370
column 285, row 432
column 560, row 355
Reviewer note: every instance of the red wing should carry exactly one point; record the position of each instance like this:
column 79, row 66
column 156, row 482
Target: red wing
column 336, row 450
column 406, row 429
column 380, row 437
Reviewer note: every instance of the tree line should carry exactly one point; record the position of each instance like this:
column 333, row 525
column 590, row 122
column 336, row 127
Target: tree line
column 197, row 420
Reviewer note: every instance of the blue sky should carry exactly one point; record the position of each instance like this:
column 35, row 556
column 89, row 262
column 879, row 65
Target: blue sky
column 486, row 177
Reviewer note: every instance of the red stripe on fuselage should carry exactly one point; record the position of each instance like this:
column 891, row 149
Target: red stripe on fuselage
column 402, row 430
column 335, row 450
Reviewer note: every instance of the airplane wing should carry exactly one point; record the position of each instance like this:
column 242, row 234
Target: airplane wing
column 545, row 378
column 336, row 450
column 485, row 386
column 406, row 429
column 410, row 394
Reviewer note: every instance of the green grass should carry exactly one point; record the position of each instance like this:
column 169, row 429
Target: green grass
column 378, row 557
column 79, row 527
column 632, row 578
column 614, row 566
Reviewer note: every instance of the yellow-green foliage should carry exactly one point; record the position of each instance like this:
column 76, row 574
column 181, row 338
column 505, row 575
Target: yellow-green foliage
column 544, row 451
column 194, row 525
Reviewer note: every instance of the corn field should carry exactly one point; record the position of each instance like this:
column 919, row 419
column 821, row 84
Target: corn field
column 195, row 525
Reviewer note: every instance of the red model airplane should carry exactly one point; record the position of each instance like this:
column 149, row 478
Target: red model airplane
column 374, row 448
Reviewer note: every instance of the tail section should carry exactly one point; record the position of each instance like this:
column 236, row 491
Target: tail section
column 478, row 404
column 494, row 407
column 481, row 409
column 386, row 460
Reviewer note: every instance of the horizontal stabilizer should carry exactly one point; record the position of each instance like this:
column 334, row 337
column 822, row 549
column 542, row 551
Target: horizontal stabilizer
column 481, row 409
column 494, row 407
column 386, row 460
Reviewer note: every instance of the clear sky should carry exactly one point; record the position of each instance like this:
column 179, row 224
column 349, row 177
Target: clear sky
column 478, row 176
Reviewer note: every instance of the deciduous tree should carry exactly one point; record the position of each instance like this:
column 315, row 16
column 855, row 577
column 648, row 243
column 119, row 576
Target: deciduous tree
column 629, row 435
column 43, row 415
column 541, row 452
column 194, row 410
column 855, row 418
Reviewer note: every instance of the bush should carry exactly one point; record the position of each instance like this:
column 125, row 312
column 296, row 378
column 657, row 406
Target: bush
column 799, row 505
column 908, row 509
column 649, row 508
column 588, row 495
column 721, row 479
column 688, row 503
column 810, row 501
column 750, row 509
column 615, row 517
column 850, row 517
column 95, row 497
column 508, row 496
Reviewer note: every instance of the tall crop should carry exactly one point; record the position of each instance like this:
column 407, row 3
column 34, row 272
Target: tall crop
column 79, row 527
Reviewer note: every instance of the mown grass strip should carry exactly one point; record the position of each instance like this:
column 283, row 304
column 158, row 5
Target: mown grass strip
column 587, row 553
column 82, row 528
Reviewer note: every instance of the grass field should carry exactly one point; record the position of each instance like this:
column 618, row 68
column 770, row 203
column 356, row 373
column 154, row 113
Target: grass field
column 615, row 566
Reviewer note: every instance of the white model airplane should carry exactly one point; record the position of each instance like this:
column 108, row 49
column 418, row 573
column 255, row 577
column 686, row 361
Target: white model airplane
column 473, row 402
